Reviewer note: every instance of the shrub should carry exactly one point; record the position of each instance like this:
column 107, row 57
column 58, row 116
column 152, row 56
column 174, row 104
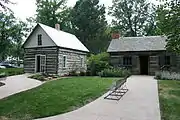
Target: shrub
column 73, row 73
column 97, row 63
column 82, row 73
column 40, row 77
column 166, row 75
column 114, row 72
column 2, row 75
column 12, row 71
column 44, row 76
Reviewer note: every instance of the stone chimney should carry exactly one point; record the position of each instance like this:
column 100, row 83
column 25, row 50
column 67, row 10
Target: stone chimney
column 57, row 26
column 115, row 36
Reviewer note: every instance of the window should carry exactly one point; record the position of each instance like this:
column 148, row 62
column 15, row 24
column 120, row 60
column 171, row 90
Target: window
column 64, row 61
column 39, row 39
column 81, row 62
column 167, row 60
column 127, row 61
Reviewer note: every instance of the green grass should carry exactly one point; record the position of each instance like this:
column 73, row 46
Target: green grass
column 11, row 71
column 169, row 94
column 55, row 97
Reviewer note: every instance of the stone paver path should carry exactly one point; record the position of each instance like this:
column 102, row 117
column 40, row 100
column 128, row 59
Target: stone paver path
column 140, row 103
column 16, row 84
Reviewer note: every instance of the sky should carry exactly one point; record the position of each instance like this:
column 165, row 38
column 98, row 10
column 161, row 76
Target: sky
column 27, row 8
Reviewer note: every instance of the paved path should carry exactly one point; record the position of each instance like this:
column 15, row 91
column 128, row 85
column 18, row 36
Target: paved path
column 16, row 84
column 140, row 103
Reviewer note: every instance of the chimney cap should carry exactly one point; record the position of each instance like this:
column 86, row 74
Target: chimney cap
column 115, row 36
column 57, row 26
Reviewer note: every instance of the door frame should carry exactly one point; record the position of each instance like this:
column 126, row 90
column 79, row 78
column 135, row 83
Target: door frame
column 148, row 63
column 40, row 62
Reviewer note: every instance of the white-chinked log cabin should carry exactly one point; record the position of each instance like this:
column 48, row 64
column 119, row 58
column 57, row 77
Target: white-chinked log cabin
column 53, row 51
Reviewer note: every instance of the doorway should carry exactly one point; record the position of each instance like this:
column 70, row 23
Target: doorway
column 144, row 65
column 40, row 63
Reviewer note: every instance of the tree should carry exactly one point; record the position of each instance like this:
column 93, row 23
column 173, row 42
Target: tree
column 11, row 36
column 7, row 33
column 51, row 12
column 168, row 22
column 133, row 17
column 21, row 32
column 4, row 2
column 89, row 23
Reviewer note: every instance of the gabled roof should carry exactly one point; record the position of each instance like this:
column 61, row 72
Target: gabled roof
column 147, row 43
column 63, row 39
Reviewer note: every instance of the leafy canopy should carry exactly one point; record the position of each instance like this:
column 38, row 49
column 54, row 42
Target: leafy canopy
column 51, row 12
column 90, row 25
column 133, row 17
column 11, row 35
column 168, row 22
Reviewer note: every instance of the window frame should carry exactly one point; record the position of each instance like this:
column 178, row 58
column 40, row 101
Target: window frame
column 39, row 40
column 64, row 65
column 127, row 60
column 167, row 62
column 82, row 61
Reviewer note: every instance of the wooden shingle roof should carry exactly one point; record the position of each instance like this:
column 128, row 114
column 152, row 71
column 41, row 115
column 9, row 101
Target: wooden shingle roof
column 147, row 43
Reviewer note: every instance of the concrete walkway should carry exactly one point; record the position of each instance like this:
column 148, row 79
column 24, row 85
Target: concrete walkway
column 140, row 103
column 16, row 84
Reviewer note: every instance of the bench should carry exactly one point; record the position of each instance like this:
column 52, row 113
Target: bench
column 118, row 90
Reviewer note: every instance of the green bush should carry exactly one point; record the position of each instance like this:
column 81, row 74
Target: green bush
column 114, row 72
column 40, row 77
column 73, row 73
column 82, row 73
column 44, row 76
column 2, row 75
column 12, row 71
column 166, row 75
column 97, row 63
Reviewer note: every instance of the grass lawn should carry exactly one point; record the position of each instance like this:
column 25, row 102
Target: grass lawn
column 55, row 97
column 11, row 71
column 169, row 94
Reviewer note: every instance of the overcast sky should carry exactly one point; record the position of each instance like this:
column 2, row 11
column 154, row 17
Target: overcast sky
column 27, row 8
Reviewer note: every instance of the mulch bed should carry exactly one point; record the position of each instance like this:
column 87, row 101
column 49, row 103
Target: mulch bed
column 1, row 84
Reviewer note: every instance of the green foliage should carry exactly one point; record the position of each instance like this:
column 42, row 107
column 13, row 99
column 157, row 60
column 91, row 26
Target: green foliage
column 166, row 75
column 38, row 77
column 3, row 4
column 44, row 76
column 90, row 26
column 2, row 75
column 133, row 17
column 73, row 73
column 7, row 33
column 114, row 72
column 169, row 97
column 97, row 63
column 11, row 36
column 168, row 23
column 51, row 12
column 11, row 71
column 82, row 73
column 53, row 98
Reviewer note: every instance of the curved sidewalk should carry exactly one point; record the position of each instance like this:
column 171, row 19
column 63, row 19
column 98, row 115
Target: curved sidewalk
column 16, row 84
column 141, row 102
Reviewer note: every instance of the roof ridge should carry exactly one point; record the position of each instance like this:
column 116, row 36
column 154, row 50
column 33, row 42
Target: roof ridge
column 55, row 29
